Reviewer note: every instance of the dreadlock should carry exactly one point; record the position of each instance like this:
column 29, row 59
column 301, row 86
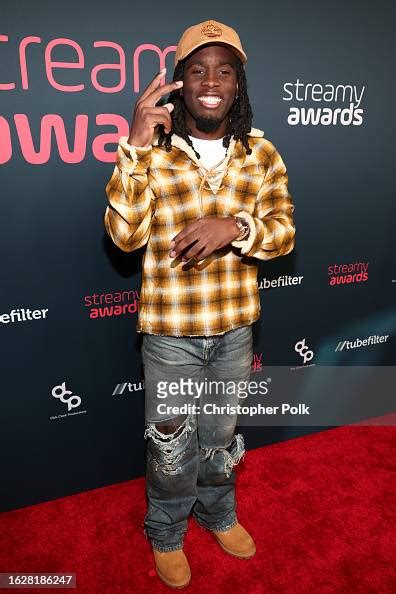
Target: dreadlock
column 239, row 118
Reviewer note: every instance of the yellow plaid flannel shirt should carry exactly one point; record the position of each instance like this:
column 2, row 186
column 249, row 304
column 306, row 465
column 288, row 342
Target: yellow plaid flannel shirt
column 153, row 194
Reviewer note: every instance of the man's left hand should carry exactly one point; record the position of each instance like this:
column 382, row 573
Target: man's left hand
column 206, row 234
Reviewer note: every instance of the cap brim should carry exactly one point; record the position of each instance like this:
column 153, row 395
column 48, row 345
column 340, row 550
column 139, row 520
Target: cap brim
column 241, row 55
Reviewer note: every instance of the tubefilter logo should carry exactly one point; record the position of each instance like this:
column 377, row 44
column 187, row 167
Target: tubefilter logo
column 361, row 342
column 125, row 388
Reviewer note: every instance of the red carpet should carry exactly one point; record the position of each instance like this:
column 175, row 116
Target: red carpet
column 320, row 507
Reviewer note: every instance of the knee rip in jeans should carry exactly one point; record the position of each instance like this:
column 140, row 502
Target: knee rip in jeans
column 168, row 459
column 232, row 457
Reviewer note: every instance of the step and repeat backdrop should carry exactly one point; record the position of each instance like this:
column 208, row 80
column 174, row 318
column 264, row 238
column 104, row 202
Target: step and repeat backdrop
column 321, row 84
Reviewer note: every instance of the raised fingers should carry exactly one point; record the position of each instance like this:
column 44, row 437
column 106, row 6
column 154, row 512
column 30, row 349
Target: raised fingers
column 160, row 91
column 152, row 85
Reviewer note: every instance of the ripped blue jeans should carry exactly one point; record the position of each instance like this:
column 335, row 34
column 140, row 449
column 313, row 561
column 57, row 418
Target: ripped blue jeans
column 193, row 385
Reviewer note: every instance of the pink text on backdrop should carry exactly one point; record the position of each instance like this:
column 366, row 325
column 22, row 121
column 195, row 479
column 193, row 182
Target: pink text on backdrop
column 120, row 65
column 72, row 150
column 55, row 122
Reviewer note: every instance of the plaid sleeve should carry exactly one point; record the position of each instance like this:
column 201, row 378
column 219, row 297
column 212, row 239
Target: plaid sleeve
column 272, row 229
column 131, row 200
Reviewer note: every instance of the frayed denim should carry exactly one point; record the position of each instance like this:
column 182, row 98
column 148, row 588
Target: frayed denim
column 192, row 468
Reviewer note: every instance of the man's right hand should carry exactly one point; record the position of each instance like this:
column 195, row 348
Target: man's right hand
column 146, row 116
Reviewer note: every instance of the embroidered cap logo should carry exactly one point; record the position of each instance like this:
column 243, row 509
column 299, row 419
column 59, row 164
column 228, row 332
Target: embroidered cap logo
column 211, row 30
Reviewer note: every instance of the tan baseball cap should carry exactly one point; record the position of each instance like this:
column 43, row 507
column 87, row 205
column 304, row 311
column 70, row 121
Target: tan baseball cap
column 209, row 32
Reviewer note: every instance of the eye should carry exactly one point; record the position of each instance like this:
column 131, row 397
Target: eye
column 197, row 70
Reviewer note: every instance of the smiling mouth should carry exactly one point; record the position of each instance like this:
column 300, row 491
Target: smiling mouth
column 211, row 102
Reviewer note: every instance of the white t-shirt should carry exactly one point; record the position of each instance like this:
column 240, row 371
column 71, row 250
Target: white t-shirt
column 211, row 151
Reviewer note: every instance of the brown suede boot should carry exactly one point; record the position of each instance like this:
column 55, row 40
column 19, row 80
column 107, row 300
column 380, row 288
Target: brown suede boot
column 236, row 541
column 173, row 568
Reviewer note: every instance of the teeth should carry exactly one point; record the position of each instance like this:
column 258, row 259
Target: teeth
column 210, row 99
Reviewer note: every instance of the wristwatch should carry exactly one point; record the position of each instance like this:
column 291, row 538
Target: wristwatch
column 244, row 228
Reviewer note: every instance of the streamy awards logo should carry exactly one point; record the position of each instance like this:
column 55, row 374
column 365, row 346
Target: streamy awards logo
column 318, row 104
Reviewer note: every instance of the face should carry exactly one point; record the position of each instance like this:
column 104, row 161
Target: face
column 209, row 89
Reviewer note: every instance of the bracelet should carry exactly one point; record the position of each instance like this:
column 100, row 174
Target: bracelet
column 244, row 228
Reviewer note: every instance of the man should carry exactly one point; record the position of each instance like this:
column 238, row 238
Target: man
column 207, row 195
